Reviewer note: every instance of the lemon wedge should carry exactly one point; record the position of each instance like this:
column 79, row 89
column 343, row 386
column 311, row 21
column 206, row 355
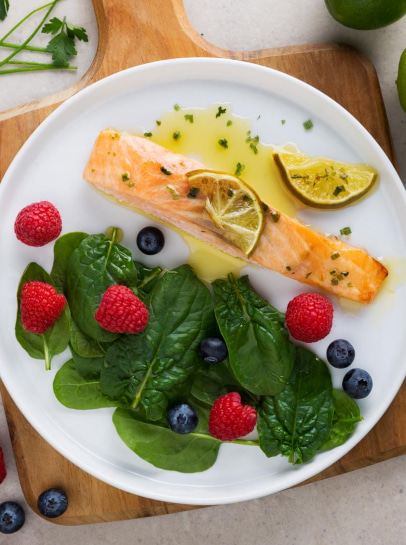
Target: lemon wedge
column 232, row 205
column 323, row 183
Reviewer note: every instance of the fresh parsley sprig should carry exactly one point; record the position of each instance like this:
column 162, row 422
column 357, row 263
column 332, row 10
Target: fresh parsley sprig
column 62, row 45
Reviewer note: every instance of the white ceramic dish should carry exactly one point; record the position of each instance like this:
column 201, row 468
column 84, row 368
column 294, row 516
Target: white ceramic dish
column 50, row 165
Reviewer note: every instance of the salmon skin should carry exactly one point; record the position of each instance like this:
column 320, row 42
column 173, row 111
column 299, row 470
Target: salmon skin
column 146, row 176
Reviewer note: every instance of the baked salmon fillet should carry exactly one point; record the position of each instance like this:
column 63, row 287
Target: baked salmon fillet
column 148, row 177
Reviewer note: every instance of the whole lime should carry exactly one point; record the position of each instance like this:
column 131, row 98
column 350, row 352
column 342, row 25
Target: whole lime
column 366, row 14
column 401, row 81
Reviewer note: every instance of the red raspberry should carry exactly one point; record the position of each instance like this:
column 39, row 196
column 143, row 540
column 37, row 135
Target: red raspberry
column 38, row 223
column 229, row 419
column 121, row 311
column 41, row 305
column 3, row 471
column 309, row 317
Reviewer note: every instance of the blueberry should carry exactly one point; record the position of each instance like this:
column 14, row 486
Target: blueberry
column 12, row 517
column 357, row 383
column 150, row 240
column 52, row 503
column 183, row 418
column 212, row 349
column 340, row 353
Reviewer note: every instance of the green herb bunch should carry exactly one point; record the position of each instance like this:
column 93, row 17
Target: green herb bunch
column 142, row 375
column 61, row 46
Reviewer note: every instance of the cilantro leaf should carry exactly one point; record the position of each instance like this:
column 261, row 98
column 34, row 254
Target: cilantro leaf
column 62, row 45
column 4, row 5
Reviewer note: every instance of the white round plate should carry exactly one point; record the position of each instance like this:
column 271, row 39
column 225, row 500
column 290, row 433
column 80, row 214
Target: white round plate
column 49, row 167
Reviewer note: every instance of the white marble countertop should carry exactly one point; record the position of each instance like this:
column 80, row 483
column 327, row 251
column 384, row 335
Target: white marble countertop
column 366, row 506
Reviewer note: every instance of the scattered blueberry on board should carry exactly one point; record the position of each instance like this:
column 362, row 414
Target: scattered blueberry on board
column 340, row 353
column 212, row 350
column 52, row 503
column 182, row 418
column 150, row 240
column 12, row 517
column 357, row 383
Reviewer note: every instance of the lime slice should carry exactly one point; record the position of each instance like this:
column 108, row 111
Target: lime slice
column 323, row 183
column 232, row 205
column 366, row 14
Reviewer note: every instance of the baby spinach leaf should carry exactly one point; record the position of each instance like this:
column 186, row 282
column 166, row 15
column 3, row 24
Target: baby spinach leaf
column 297, row 421
column 63, row 249
column 346, row 416
column 93, row 266
column 147, row 276
column 213, row 380
column 144, row 369
column 260, row 353
column 161, row 447
column 84, row 345
column 86, row 367
column 55, row 340
column 76, row 392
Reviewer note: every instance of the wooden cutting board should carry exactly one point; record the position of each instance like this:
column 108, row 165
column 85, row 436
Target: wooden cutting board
column 136, row 32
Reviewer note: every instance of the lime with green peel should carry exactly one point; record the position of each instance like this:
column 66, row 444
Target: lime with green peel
column 366, row 14
column 401, row 81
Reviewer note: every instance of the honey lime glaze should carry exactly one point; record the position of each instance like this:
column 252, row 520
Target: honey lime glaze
column 222, row 141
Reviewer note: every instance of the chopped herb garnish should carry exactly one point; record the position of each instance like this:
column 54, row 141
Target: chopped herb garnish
column 339, row 189
column 308, row 125
column 345, row 273
column 264, row 207
column 238, row 169
column 147, row 134
column 158, row 122
column 166, row 171
column 345, row 231
column 334, row 281
column 230, row 192
column 335, row 255
column 229, row 123
column 333, row 271
column 176, row 107
column 131, row 184
column 220, row 111
column 189, row 117
column 176, row 135
column 252, row 141
column 194, row 191
column 175, row 193
column 308, row 274
column 275, row 215
column 125, row 176
column 223, row 142
column 288, row 268
column 283, row 121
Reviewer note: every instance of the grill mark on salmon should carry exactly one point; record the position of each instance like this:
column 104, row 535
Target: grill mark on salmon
column 148, row 177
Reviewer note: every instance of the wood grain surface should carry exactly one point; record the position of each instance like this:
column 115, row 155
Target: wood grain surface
column 132, row 33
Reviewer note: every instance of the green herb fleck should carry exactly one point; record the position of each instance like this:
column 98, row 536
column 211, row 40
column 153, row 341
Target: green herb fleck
column 173, row 191
column 238, row 169
column 283, row 121
column 339, row 189
column 335, row 255
column 166, row 171
column 334, row 281
column 148, row 134
column 229, row 123
column 223, row 142
column 308, row 274
column 131, row 184
column 288, row 268
column 264, row 207
column 308, row 125
column 189, row 117
column 345, row 231
column 194, row 191
column 220, row 111
column 125, row 176
column 176, row 135
column 158, row 122
column 176, row 107
column 275, row 216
